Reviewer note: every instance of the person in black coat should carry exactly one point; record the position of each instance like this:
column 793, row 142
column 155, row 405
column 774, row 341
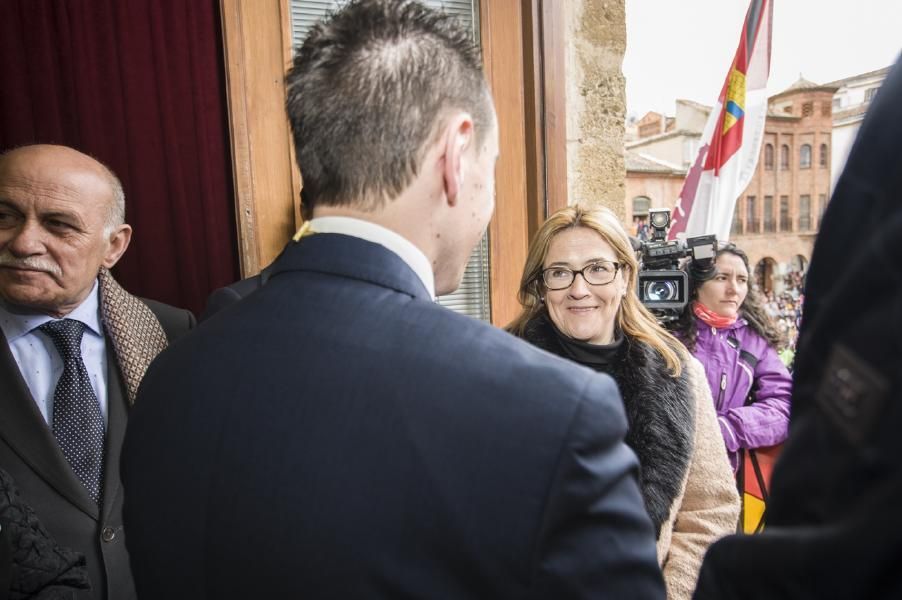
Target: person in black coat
column 834, row 529
column 338, row 434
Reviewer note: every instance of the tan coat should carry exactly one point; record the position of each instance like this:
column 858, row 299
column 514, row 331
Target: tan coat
column 686, row 481
column 708, row 507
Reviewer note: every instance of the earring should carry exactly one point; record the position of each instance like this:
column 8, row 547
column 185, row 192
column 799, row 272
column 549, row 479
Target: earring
column 541, row 299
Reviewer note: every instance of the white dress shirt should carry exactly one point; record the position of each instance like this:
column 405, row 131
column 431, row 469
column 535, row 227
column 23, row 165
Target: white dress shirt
column 387, row 238
column 40, row 362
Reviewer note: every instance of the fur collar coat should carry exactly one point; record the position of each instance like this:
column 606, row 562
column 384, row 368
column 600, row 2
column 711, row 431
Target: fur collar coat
column 686, row 479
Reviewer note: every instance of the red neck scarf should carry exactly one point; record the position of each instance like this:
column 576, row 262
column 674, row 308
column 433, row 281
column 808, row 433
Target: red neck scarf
column 710, row 317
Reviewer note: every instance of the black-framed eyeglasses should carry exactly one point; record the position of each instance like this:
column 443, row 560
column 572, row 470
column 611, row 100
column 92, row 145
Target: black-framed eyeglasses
column 596, row 273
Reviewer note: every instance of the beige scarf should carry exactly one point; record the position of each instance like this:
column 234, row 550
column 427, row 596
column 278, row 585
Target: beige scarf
column 136, row 333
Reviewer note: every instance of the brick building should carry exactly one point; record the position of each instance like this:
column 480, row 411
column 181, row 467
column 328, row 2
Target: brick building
column 778, row 215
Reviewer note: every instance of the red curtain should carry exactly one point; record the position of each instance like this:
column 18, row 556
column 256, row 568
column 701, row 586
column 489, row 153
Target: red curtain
column 138, row 84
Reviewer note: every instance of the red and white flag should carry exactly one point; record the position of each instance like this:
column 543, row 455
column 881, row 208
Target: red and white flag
column 732, row 137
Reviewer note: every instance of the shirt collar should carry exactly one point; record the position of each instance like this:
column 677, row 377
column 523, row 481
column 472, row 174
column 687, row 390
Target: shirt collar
column 17, row 324
column 387, row 238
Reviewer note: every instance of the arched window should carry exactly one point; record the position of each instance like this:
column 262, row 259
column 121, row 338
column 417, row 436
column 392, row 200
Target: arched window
column 805, row 156
column 784, row 157
column 823, row 158
column 769, row 157
column 641, row 204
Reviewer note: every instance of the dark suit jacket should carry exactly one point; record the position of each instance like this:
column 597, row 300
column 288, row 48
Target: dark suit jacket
column 337, row 434
column 834, row 526
column 31, row 455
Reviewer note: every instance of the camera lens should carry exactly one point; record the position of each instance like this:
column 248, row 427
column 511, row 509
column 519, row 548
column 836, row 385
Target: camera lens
column 661, row 291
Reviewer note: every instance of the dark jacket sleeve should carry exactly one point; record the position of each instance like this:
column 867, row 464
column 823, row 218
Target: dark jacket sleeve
column 596, row 540
column 218, row 300
column 32, row 563
column 175, row 322
column 229, row 295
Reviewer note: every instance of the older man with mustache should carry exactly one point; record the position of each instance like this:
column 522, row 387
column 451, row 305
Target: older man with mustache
column 77, row 346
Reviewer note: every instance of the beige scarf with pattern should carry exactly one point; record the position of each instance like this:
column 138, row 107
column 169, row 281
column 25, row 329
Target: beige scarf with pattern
column 136, row 333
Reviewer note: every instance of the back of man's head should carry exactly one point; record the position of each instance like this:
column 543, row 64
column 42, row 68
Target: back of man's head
column 369, row 89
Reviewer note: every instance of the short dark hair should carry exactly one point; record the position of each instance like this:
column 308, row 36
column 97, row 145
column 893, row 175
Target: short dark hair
column 367, row 92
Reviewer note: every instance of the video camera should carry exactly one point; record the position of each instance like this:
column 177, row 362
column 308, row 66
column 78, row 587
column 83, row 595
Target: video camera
column 663, row 287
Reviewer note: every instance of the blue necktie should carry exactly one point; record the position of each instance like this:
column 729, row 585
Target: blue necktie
column 77, row 422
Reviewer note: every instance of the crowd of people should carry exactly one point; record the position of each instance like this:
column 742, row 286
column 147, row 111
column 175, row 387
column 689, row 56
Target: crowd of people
column 328, row 430
column 785, row 310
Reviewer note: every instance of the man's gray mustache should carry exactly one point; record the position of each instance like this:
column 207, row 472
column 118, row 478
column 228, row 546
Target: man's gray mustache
column 29, row 262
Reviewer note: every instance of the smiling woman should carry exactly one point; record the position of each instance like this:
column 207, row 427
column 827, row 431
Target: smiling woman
column 584, row 285
column 578, row 298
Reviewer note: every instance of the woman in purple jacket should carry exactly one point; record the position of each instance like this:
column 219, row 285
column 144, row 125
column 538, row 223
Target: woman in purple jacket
column 726, row 327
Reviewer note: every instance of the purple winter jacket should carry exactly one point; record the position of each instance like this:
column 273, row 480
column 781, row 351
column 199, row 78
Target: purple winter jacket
column 765, row 422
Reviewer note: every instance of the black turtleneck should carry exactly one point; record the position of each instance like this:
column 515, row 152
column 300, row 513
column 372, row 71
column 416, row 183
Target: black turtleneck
column 601, row 357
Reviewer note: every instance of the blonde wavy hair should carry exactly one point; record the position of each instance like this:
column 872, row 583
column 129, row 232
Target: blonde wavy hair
column 633, row 319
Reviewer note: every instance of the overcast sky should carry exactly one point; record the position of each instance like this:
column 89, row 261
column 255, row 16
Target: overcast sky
column 683, row 48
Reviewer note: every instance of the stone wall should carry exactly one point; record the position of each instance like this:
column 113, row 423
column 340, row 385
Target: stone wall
column 596, row 102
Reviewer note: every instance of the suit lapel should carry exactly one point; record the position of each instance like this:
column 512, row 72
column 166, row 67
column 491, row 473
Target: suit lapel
column 23, row 428
column 352, row 257
column 118, row 417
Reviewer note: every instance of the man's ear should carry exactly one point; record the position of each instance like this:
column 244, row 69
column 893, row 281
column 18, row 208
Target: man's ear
column 457, row 139
column 118, row 241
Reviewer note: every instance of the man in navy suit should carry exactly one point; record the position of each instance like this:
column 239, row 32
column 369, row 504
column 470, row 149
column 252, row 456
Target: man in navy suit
column 337, row 434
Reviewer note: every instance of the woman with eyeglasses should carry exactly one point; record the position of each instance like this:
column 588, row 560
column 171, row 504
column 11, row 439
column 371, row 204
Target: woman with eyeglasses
column 578, row 293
